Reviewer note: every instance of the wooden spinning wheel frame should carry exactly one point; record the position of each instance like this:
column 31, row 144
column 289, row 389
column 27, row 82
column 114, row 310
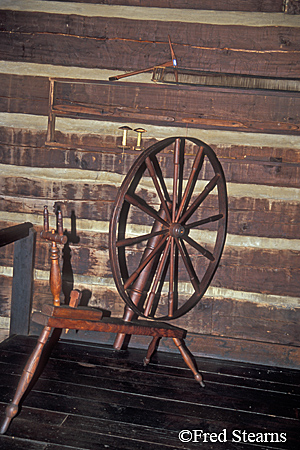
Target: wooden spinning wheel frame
column 181, row 188
column 172, row 254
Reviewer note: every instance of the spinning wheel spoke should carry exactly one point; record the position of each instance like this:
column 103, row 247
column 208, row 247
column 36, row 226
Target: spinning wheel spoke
column 204, row 221
column 188, row 265
column 157, row 277
column 201, row 197
column 199, row 247
column 151, row 255
column 181, row 170
column 175, row 177
column 137, row 201
column 191, row 181
column 151, row 170
column 172, row 278
column 138, row 239
column 161, row 178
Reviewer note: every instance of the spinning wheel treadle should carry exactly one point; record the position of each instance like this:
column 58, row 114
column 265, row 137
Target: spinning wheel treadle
column 166, row 279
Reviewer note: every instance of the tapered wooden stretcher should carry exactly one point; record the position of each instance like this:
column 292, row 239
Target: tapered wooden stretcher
column 165, row 244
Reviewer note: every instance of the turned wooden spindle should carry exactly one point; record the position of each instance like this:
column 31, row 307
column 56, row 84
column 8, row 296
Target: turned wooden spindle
column 46, row 219
column 55, row 274
column 60, row 229
column 54, row 238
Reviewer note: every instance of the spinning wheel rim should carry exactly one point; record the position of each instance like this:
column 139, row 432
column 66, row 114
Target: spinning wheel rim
column 175, row 233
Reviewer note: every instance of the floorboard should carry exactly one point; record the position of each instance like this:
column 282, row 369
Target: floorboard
column 92, row 397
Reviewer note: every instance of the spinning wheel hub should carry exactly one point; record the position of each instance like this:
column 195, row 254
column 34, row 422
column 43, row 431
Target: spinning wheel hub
column 176, row 230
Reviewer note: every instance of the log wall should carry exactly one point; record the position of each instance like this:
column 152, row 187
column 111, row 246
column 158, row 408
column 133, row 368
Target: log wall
column 251, row 310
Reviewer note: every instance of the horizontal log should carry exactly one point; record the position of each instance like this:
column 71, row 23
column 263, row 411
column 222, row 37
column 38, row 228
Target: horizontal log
column 24, row 93
column 155, row 35
column 245, row 350
column 20, row 146
column 270, row 281
column 130, row 55
column 55, row 190
column 257, row 322
column 243, row 320
column 86, row 185
column 254, row 169
column 235, row 184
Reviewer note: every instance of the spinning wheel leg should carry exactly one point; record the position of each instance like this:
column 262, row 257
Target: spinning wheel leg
column 151, row 349
column 188, row 359
column 27, row 376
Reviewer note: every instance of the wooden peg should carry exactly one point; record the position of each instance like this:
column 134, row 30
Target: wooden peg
column 46, row 219
column 60, row 229
column 75, row 297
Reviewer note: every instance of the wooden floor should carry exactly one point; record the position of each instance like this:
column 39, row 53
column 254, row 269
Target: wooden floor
column 90, row 397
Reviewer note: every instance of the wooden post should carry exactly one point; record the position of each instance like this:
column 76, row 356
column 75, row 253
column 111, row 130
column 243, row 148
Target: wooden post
column 22, row 285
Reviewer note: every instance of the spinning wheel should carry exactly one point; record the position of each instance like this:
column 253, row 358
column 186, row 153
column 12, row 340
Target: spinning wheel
column 167, row 233
column 172, row 274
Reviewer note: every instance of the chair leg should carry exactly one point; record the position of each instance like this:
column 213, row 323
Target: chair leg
column 27, row 375
column 188, row 359
column 151, row 349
